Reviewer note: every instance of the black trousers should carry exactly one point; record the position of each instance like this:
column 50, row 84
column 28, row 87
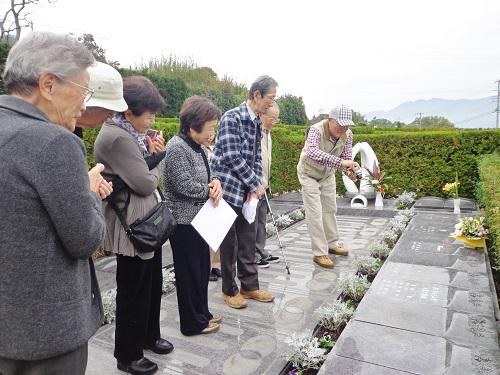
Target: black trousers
column 192, row 268
column 138, row 298
column 74, row 362
column 238, row 248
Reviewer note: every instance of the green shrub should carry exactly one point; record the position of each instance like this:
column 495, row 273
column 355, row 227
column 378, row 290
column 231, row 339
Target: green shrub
column 489, row 174
column 169, row 126
column 420, row 161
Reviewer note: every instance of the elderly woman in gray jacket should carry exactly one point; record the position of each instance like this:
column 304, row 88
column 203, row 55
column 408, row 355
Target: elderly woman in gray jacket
column 123, row 147
column 51, row 220
column 188, row 184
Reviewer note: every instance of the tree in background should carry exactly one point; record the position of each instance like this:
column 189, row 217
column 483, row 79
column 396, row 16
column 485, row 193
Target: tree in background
column 173, row 90
column 4, row 52
column 358, row 119
column 15, row 18
column 292, row 110
column 381, row 123
column 88, row 41
column 432, row 122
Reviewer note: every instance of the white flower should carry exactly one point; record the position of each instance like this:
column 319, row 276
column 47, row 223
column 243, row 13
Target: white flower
column 355, row 287
column 168, row 280
column 109, row 305
column 375, row 182
column 304, row 352
column 333, row 315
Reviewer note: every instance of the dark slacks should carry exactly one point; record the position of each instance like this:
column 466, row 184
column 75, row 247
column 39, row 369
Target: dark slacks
column 260, row 230
column 192, row 268
column 238, row 248
column 74, row 362
column 138, row 298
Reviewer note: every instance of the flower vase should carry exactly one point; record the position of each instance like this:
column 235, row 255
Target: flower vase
column 379, row 201
column 456, row 205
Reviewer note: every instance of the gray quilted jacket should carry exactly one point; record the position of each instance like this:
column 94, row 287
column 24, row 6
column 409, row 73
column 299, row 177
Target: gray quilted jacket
column 187, row 175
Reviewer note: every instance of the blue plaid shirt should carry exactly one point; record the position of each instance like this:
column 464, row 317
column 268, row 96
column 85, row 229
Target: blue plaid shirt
column 237, row 160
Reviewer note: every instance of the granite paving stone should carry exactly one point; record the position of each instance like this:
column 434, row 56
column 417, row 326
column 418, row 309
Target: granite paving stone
column 337, row 365
column 251, row 340
column 429, row 310
column 398, row 349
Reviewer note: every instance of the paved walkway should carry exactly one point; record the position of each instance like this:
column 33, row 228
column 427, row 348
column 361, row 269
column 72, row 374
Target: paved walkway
column 251, row 340
column 429, row 311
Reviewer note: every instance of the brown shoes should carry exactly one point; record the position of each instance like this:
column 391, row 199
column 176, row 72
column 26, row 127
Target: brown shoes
column 323, row 261
column 236, row 302
column 211, row 328
column 338, row 250
column 216, row 318
column 258, row 295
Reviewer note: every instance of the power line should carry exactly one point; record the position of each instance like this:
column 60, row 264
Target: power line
column 475, row 117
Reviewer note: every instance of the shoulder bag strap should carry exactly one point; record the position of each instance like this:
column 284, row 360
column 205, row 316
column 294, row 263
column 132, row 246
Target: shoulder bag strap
column 120, row 213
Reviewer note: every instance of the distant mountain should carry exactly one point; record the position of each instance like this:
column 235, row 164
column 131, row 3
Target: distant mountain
column 464, row 113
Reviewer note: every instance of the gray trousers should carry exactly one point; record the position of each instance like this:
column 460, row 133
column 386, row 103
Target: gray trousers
column 74, row 363
column 260, row 230
column 238, row 249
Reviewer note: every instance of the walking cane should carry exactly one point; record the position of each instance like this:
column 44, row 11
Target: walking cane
column 277, row 233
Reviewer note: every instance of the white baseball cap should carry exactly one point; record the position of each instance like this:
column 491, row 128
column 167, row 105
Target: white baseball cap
column 343, row 115
column 107, row 84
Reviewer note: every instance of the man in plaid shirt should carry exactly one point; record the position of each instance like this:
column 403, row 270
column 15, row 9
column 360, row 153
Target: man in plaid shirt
column 237, row 162
column 328, row 147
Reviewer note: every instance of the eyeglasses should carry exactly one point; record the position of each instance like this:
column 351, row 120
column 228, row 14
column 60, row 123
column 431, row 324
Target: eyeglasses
column 272, row 98
column 88, row 91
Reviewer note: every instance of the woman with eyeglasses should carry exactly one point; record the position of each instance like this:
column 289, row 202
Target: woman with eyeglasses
column 131, row 157
column 51, row 219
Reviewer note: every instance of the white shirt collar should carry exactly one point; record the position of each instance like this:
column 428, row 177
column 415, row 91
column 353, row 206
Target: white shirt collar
column 252, row 114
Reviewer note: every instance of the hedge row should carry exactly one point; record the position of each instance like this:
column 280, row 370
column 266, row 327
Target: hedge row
column 417, row 161
column 489, row 173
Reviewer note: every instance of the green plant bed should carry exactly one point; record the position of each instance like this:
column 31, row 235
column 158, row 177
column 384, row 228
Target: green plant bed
column 488, row 192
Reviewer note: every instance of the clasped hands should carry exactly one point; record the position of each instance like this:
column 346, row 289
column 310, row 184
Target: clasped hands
column 98, row 184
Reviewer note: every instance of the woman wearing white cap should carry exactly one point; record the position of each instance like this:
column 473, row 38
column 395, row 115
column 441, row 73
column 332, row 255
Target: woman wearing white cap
column 107, row 98
column 328, row 147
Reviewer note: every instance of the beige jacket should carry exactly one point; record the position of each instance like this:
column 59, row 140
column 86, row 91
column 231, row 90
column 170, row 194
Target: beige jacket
column 313, row 169
column 266, row 151
column 120, row 154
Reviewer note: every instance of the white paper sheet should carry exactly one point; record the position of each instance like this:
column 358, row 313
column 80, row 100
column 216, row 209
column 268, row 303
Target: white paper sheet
column 213, row 223
column 249, row 210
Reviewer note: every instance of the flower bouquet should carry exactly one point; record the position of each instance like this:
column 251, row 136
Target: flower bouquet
column 377, row 179
column 451, row 188
column 471, row 231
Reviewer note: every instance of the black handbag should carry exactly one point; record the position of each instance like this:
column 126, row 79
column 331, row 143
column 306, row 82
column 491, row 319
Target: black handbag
column 150, row 232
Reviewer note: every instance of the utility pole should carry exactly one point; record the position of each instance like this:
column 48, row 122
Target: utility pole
column 498, row 101
column 419, row 114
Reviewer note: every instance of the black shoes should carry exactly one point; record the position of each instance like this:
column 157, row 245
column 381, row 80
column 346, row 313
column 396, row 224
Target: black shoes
column 215, row 273
column 271, row 259
column 160, row 346
column 142, row 366
column 262, row 264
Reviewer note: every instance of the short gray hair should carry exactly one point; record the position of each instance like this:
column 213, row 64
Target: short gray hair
column 262, row 84
column 43, row 52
